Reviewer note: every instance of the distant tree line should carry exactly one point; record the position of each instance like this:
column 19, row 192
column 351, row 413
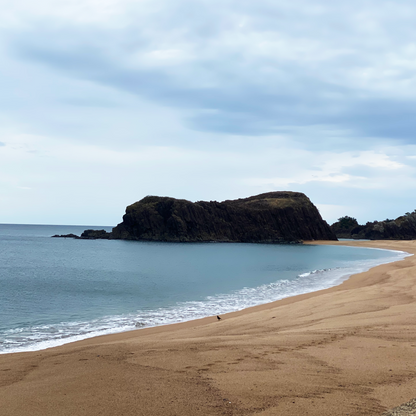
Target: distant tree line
column 402, row 228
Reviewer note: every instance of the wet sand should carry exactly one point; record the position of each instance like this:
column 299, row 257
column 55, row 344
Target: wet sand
column 348, row 350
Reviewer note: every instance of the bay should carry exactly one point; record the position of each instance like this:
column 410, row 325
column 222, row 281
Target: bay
column 58, row 290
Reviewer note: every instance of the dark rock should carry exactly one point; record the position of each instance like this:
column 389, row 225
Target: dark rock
column 87, row 235
column 66, row 236
column 275, row 217
column 95, row 234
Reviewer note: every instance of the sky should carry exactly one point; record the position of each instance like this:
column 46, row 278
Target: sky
column 103, row 102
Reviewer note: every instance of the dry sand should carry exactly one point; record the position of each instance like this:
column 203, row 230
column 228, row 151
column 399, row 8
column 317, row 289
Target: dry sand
column 348, row 350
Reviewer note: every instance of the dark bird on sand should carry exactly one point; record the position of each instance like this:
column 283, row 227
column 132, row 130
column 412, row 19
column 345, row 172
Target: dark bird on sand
column 218, row 318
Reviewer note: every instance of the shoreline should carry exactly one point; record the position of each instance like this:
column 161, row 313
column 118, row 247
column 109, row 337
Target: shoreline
column 344, row 350
column 327, row 277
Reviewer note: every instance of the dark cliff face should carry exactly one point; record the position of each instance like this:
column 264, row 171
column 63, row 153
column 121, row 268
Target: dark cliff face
column 402, row 228
column 272, row 217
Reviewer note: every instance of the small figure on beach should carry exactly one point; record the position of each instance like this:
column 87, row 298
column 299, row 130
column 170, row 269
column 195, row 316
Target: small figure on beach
column 218, row 318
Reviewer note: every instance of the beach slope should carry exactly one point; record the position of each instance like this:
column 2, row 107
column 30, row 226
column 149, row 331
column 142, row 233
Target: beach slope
column 348, row 350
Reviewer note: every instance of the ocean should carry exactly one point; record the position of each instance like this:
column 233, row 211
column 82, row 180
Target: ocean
column 58, row 290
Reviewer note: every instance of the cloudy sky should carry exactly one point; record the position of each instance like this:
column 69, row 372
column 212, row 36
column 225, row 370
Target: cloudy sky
column 103, row 102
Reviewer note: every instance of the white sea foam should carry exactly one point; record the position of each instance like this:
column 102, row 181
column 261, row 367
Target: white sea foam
column 41, row 337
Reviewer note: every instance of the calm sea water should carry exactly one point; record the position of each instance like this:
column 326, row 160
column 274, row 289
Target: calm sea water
column 54, row 291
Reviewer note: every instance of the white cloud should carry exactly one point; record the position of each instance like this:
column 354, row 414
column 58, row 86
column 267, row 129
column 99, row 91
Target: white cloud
column 315, row 166
column 370, row 158
column 104, row 12
column 289, row 66
column 203, row 100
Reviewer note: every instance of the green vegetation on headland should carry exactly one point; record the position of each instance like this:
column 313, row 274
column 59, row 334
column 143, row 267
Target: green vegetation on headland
column 402, row 228
column 274, row 217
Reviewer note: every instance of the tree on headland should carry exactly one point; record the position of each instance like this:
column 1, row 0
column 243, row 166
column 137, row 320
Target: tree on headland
column 345, row 226
column 347, row 223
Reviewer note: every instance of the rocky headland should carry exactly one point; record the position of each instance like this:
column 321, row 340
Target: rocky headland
column 275, row 217
column 402, row 228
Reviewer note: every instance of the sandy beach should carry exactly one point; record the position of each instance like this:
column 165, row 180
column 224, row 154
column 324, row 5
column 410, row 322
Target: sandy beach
column 348, row 350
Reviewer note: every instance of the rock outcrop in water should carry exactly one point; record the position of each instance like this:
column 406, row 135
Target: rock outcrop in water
column 87, row 235
column 273, row 217
column 95, row 234
column 402, row 228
